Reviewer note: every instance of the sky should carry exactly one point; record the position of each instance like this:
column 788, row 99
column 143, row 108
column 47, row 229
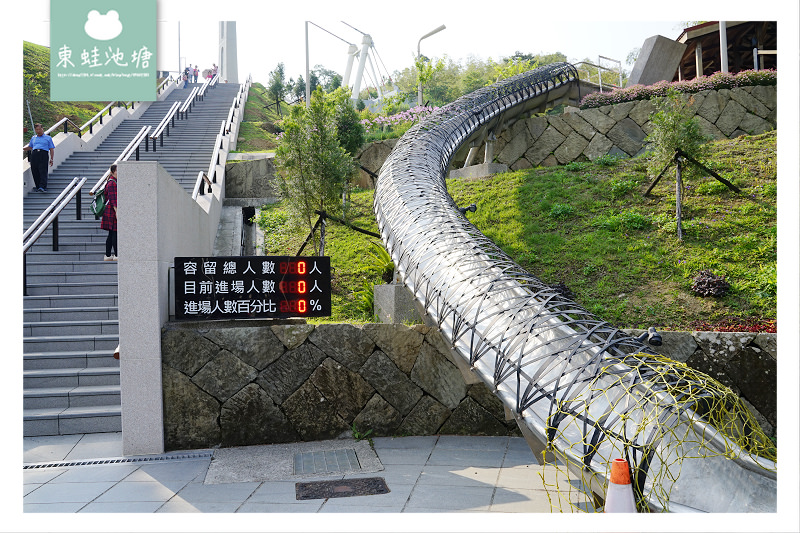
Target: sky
column 271, row 32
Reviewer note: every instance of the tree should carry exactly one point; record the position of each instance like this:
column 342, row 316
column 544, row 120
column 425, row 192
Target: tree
column 426, row 70
column 313, row 167
column 349, row 129
column 674, row 127
column 277, row 88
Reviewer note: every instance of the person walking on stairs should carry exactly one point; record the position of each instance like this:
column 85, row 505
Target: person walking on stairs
column 109, row 221
column 41, row 144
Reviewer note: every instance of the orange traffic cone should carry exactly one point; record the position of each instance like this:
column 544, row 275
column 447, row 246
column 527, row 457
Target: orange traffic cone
column 619, row 494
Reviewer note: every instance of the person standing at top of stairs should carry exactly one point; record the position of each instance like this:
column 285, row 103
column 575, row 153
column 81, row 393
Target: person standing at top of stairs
column 40, row 145
column 109, row 221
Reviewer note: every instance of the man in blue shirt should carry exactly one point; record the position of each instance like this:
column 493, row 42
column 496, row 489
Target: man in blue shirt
column 40, row 146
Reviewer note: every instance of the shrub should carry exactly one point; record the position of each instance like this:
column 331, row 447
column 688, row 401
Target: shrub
column 718, row 80
column 706, row 283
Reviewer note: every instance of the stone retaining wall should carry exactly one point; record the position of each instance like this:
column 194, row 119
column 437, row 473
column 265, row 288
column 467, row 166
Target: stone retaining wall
column 249, row 382
column 619, row 129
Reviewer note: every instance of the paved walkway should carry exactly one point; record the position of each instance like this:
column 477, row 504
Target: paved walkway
column 437, row 474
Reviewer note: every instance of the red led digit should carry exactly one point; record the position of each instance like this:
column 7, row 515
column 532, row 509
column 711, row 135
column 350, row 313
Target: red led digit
column 301, row 287
column 301, row 267
column 301, row 306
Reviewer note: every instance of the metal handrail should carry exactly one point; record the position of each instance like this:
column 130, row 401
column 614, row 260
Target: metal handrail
column 44, row 214
column 225, row 128
column 49, row 217
column 203, row 87
column 132, row 147
column 99, row 116
column 164, row 124
column 187, row 104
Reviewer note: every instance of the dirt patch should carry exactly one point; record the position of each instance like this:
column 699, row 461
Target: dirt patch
column 670, row 294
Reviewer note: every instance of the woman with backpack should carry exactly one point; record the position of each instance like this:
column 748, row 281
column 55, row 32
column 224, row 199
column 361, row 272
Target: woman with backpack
column 109, row 221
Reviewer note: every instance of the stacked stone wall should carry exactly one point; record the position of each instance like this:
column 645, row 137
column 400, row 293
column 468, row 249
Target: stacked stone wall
column 246, row 383
column 617, row 130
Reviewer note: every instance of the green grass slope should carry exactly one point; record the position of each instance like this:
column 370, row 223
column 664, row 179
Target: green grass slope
column 588, row 227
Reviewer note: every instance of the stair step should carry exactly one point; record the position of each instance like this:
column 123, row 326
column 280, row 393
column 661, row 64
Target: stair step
column 51, row 301
column 70, row 343
column 69, row 267
column 42, row 278
column 66, row 397
column 69, row 359
column 70, row 327
column 71, row 421
column 70, row 377
column 65, row 314
column 63, row 289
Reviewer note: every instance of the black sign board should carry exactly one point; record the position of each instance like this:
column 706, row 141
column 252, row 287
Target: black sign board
column 223, row 288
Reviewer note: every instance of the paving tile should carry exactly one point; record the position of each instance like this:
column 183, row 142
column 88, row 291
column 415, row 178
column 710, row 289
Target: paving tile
column 217, row 492
column 122, row 507
column 522, row 477
column 68, row 492
column 178, row 505
column 458, row 457
column 464, row 499
column 399, row 456
column 52, row 507
column 82, row 474
column 96, row 445
column 41, row 475
column 521, row 501
column 141, row 491
column 188, row 470
column 401, row 474
column 310, row 506
column 405, row 443
column 275, row 492
column 27, row 488
column 458, row 442
column 48, row 449
column 457, row 476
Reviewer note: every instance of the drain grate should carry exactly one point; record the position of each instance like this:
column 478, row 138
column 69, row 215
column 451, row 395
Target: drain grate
column 144, row 459
column 316, row 462
column 341, row 488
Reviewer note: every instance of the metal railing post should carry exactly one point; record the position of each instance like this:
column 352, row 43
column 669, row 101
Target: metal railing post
column 78, row 205
column 55, row 234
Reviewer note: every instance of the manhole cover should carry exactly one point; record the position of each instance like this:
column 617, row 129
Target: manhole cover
column 316, row 462
column 340, row 488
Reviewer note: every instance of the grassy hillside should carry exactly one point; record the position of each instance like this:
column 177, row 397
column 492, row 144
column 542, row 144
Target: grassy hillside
column 588, row 227
column 257, row 130
column 36, row 80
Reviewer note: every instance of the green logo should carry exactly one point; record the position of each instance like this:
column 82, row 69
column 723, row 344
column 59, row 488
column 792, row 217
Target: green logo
column 102, row 50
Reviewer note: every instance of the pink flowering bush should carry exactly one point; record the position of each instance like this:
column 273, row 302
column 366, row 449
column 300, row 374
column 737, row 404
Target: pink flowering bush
column 397, row 123
column 718, row 80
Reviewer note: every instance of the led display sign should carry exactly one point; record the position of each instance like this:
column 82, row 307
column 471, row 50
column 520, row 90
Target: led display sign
column 223, row 288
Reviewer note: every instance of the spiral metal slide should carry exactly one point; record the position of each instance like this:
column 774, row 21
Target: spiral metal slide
column 578, row 387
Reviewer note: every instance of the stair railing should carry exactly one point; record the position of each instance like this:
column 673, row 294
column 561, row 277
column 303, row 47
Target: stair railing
column 187, row 104
column 99, row 116
column 211, row 176
column 132, row 148
column 201, row 93
column 50, row 217
column 169, row 118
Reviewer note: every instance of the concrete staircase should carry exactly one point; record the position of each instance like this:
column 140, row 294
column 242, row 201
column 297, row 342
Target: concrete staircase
column 70, row 320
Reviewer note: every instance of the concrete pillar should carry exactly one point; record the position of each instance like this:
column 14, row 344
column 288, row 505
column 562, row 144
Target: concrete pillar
column 228, row 62
column 698, row 59
column 489, row 152
column 723, row 45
